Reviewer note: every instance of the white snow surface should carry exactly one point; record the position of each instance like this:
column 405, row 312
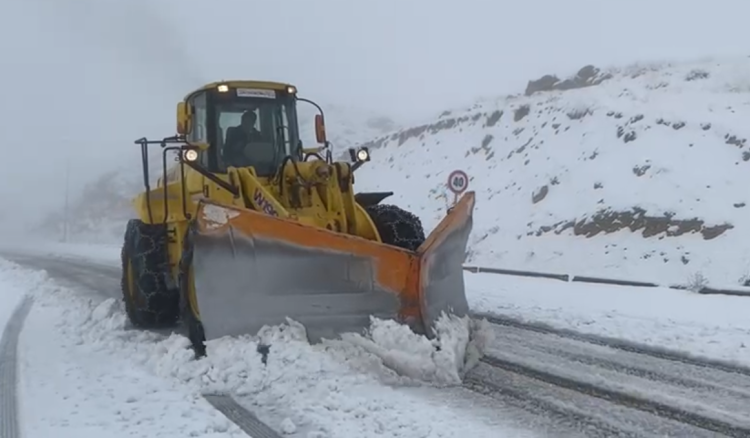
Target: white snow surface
column 710, row 326
column 84, row 373
column 10, row 297
column 668, row 139
column 218, row 216
column 70, row 388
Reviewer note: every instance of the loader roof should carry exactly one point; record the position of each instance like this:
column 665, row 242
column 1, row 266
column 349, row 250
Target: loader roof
column 243, row 84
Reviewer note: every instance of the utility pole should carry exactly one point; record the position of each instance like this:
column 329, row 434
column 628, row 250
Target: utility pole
column 67, row 198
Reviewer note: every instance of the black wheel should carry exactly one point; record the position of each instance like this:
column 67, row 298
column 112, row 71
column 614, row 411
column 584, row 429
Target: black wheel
column 188, row 307
column 397, row 226
column 149, row 301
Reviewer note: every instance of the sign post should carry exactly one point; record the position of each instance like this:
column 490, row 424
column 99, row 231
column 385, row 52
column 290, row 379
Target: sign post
column 458, row 182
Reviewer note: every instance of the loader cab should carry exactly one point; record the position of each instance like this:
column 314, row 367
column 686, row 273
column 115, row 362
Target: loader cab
column 245, row 124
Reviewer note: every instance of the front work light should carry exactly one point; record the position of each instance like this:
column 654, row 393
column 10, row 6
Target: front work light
column 360, row 155
column 223, row 88
column 190, row 155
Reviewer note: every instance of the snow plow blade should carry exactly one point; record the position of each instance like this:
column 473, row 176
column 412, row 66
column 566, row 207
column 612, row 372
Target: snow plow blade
column 251, row 270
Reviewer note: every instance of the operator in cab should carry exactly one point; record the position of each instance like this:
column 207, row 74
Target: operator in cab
column 238, row 137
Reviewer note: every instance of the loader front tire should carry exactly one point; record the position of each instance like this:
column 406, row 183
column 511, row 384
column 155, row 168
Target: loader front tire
column 149, row 301
column 397, row 226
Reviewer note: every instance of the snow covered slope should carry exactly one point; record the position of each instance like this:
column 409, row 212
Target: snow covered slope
column 640, row 172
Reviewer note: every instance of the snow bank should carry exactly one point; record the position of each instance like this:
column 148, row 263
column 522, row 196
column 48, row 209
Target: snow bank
column 70, row 390
column 457, row 347
column 713, row 326
column 640, row 176
column 335, row 389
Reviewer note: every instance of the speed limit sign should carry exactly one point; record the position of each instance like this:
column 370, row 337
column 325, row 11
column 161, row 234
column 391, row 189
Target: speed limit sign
column 458, row 182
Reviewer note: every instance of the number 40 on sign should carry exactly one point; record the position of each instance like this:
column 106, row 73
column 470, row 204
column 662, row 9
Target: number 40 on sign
column 458, row 182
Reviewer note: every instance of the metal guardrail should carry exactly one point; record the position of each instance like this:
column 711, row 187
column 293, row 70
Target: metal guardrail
column 706, row 290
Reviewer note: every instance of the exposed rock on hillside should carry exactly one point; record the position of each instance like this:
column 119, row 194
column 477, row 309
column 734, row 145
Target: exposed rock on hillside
column 636, row 219
column 586, row 77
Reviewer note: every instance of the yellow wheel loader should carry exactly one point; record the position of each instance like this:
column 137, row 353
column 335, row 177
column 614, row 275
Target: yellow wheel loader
column 248, row 228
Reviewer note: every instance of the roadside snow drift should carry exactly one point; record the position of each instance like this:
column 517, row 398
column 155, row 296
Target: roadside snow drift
column 639, row 173
column 340, row 388
column 10, row 297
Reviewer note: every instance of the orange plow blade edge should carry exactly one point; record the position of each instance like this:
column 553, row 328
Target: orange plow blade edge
column 251, row 270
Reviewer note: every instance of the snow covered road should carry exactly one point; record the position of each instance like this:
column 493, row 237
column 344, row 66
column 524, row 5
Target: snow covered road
column 85, row 373
column 535, row 382
column 615, row 390
column 50, row 389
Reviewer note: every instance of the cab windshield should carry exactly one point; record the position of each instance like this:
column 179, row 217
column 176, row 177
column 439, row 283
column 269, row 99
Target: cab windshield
column 255, row 132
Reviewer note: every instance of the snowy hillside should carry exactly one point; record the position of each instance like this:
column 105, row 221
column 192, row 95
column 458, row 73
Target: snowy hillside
column 640, row 172
column 99, row 214
column 345, row 126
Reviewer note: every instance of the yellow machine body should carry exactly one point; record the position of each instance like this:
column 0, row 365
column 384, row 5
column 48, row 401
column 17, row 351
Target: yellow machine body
column 247, row 247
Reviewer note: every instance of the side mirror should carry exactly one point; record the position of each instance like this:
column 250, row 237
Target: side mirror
column 184, row 114
column 320, row 129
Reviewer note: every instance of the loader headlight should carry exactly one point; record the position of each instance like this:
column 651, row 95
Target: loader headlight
column 223, row 88
column 359, row 155
column 190, row 155
column 291, row 89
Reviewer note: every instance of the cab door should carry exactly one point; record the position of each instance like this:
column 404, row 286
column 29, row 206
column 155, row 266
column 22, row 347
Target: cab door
column 196, row 186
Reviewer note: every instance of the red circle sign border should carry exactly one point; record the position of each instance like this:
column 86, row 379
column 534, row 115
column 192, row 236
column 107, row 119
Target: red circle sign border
column 457, row 173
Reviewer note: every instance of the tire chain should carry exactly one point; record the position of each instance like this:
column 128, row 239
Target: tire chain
column 397, row 226
column 157, row 303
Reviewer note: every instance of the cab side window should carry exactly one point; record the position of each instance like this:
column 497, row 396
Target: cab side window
column 199, row 133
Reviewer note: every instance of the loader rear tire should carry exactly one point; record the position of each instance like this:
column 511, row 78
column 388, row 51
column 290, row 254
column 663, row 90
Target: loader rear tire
column 149, row 301
column 397, row 226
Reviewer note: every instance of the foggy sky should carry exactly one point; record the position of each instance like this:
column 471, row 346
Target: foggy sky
column 84, row 78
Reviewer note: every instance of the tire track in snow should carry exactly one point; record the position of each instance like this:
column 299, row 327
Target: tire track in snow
column 619, row 344
column 98, row 279
column 623, row 398
column 571, row 409
column 601, row 388
column 512, row 391
column 9, row 423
